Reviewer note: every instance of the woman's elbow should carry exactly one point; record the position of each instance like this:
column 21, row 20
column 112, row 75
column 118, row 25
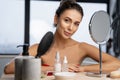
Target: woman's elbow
column 8, row 70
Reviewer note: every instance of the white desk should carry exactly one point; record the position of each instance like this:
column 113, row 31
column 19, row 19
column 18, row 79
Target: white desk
column 79, row 76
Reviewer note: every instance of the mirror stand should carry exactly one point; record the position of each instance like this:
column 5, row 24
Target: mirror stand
column 100, row 74
column 100, row 62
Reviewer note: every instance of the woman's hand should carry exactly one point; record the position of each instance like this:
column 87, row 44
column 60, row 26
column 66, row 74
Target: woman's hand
column 75, row 68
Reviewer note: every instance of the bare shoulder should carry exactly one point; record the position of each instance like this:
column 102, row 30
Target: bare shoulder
column 85, row 45
column 33, row 49
column 88, row 48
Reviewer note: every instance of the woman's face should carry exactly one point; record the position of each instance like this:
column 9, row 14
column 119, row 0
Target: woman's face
column 68, row 23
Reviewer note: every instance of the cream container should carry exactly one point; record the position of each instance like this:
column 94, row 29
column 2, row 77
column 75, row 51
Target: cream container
column 65, row 76
column 115, row 74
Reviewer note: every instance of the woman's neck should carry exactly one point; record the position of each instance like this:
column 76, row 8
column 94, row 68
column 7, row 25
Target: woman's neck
column 60, row 42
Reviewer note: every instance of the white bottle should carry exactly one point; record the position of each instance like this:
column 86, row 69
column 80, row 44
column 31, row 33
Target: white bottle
column 65, row 65
column 57, row 65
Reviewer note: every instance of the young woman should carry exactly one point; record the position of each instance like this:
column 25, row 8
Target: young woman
column 66, row 20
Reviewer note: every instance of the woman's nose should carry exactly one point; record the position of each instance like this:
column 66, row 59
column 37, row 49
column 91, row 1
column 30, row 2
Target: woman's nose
column 70, row 27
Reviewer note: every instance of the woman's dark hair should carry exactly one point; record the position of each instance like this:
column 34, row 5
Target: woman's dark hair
column 68, row 4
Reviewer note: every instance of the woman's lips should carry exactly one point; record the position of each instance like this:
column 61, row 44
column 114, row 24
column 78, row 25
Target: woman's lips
column 67, row 33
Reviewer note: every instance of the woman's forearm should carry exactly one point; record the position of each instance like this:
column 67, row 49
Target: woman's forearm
column 95, row 68
column 106, row 67
column 47, row 68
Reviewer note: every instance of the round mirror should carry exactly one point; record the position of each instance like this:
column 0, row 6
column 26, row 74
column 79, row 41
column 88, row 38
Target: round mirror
column 99, row 27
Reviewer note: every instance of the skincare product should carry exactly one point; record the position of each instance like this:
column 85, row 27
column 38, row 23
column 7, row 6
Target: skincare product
column 57, row 65
column 19, row 66
column 65, row 65
column 65, row 76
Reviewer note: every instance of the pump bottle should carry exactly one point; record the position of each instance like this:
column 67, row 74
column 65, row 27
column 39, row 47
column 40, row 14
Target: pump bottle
column 65, row 65
column 57, row 65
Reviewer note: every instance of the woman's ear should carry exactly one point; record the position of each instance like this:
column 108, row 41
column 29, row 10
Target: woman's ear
column 55, row 20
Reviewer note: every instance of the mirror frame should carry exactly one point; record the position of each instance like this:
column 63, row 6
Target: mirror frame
column 108, row 33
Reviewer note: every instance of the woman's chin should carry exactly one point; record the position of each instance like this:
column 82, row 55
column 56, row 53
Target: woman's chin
column 66, row 37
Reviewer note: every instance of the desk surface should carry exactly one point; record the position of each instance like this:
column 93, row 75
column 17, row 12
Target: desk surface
column 79, row 76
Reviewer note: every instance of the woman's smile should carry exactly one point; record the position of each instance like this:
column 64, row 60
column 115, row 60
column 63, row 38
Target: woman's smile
column 67, row 33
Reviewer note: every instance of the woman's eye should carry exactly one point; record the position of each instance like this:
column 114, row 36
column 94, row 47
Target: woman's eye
column 66, row 20
column 77, row 24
